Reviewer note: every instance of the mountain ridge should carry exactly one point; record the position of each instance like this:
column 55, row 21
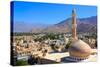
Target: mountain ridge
column 88, row 24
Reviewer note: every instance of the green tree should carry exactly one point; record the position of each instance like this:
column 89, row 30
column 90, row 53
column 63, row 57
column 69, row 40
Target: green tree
column 21, row 62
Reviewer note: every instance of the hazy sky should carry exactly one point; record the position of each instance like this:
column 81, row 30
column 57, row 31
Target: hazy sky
column 47, row 13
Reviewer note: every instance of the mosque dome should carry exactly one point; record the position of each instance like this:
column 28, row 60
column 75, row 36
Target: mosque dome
column 79, row 49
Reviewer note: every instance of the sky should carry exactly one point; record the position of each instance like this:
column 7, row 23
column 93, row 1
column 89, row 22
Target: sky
column 48, row 13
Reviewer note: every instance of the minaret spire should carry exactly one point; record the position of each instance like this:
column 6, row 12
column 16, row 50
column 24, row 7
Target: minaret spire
column 74, row 36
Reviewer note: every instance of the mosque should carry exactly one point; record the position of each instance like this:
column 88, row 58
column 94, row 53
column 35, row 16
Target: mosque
column 78, row 50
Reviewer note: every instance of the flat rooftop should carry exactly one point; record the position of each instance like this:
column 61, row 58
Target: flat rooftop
column 64, row 57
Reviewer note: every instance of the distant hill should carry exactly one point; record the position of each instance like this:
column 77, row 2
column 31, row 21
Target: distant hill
column 28, row 27
column 61, row 27
column 83, row 25
column 88, row 24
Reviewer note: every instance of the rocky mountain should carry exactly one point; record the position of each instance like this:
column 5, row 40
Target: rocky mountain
column 88, row 24
column 83, row 25
column 62, row 27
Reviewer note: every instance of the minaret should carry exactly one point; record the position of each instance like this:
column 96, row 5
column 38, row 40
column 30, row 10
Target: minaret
column 74, row 36
column 78, row 50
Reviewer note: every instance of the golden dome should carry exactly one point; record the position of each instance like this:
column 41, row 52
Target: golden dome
column 79, row 49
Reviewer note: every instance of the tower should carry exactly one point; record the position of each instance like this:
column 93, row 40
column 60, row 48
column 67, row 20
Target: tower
column 74, row 36
column 78, row 50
